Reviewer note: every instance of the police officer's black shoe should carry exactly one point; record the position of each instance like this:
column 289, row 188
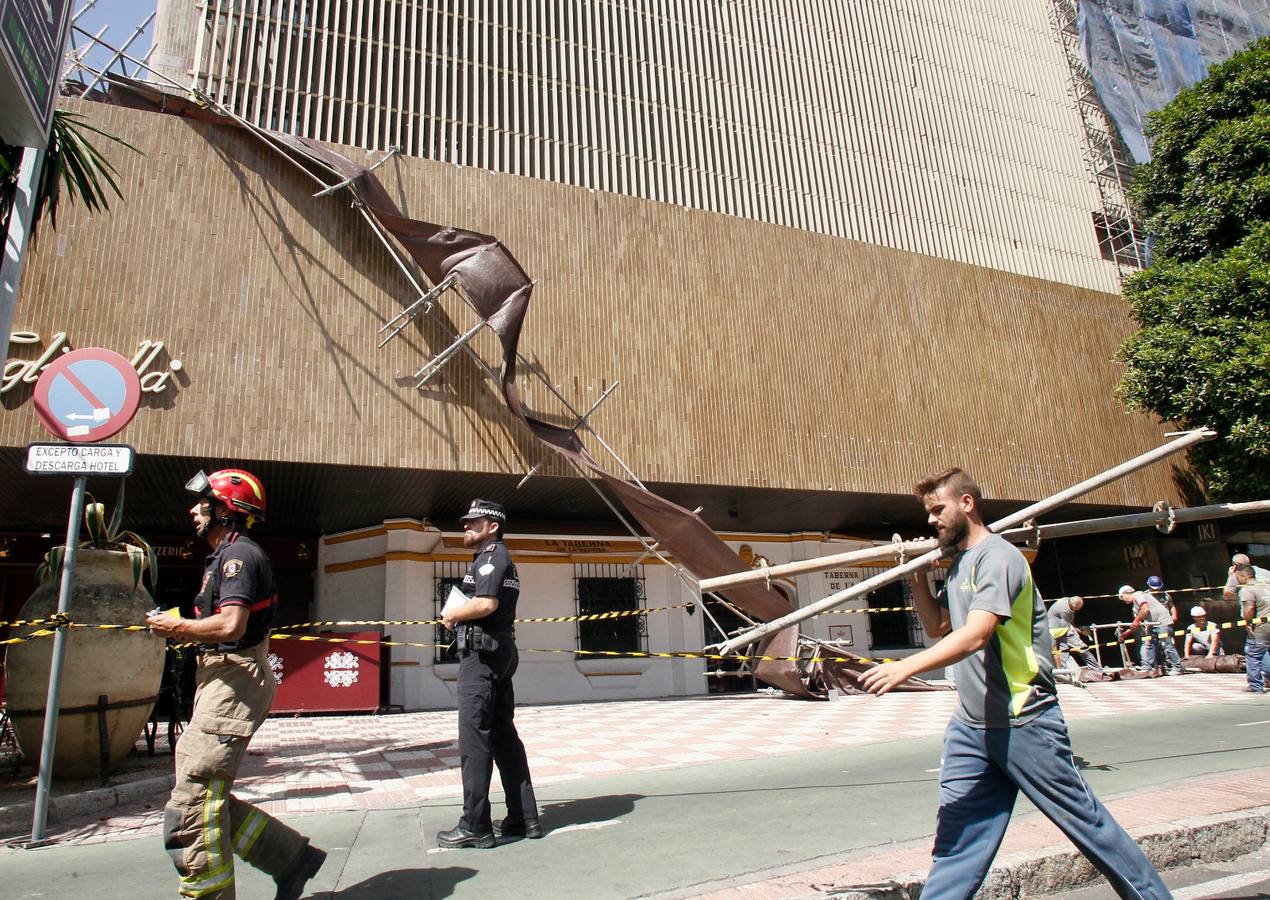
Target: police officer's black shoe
column 458, row 836
column 291, row 883
column 527, row 828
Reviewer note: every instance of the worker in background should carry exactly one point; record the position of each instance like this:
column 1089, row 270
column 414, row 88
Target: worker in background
column 1062, row 624
column 1149, row 612
column 1155, row 587
column 1202, row 636
column 204, row 825
column 1231, row 590
column 1254, row 603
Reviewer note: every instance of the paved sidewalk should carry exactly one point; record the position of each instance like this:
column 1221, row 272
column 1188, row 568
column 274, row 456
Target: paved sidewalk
column 1174, row 827
column 314, row 764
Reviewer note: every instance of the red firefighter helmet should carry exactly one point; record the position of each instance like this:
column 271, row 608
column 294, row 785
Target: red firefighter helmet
column 236, row 488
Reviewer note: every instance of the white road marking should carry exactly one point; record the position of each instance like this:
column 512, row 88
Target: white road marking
column 586, row 826
column 1262, row 722
column 1229, row 883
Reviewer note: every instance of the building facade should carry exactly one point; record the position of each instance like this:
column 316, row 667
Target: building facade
column 823, row 251
column 945, row 129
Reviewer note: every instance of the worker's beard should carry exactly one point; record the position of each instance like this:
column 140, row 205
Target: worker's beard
column 952, row 537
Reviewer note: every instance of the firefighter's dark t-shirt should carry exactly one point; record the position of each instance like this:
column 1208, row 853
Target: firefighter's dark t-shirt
column 237, row 573
column 493, row 574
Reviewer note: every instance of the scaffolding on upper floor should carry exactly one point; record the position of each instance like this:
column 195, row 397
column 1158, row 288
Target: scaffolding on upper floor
column 1105, row 157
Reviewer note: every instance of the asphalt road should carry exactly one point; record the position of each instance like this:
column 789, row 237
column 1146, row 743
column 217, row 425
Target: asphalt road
column 665, row 830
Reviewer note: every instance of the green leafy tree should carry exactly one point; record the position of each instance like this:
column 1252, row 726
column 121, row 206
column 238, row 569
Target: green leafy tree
column 1202, row 355
column 73, row 167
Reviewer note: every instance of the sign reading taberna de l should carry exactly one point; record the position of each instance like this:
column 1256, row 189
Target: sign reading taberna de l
column 32, row 34
column 87, row 395
column 79, row 459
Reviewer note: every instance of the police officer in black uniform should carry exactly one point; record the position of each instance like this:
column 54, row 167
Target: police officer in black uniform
column 486, row 642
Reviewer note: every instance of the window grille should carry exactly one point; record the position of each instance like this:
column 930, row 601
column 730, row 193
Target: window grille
column 448, row 575
column 893, row 629
column 610, row 588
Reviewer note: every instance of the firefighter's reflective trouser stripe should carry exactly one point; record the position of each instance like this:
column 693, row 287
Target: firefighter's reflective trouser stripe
column 204, row 824
column 207, row 826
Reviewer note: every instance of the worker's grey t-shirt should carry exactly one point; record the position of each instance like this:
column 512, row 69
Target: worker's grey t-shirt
column 1061, row 615
column 1262, row 575
column 1258, row 595
column 1158, row 615
column 1202, row 639
column 1011, row 680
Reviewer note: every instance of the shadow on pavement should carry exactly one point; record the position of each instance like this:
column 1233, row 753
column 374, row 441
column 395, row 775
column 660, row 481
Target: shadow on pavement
column 561, row 813
column 1082, row 764
column 406, row 884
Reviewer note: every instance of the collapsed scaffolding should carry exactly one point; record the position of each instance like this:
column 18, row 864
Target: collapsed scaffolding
column 493, row 285
column 489, row 281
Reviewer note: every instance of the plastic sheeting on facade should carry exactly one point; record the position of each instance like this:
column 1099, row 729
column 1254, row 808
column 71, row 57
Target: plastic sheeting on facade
column 1140, row 53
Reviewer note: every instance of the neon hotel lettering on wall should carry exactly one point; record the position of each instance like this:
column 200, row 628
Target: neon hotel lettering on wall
column 24, row 371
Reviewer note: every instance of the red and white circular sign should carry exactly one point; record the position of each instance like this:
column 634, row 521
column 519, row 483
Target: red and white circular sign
column 87, row 395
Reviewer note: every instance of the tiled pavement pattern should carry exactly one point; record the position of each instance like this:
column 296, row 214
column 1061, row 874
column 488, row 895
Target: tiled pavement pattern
column 327, row 763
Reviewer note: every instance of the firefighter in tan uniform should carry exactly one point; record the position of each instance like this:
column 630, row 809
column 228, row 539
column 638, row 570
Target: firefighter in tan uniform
column 204, row 824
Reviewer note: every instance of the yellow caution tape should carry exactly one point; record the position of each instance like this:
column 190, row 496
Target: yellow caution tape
column 64, row 621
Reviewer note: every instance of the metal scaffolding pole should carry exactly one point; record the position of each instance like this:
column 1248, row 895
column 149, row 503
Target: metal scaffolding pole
column 927, row 560
column 1164, row 517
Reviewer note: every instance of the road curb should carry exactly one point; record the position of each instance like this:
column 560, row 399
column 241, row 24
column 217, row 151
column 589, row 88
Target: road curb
column 16, row 818
column 1056, row 869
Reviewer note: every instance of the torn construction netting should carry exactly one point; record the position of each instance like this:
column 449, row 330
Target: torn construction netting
column 499, row 289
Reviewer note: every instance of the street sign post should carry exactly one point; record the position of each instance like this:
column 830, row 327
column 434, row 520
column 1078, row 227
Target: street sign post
column 32, row 35
column 79, row 459
column 84, row 396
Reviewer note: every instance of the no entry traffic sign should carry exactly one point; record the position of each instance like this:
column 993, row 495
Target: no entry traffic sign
column 87, row 395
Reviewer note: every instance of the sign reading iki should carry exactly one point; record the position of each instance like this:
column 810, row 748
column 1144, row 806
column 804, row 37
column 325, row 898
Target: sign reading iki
column 24, row 371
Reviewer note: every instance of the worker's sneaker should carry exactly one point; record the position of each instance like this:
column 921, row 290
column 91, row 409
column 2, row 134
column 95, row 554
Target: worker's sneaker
column 458, row 836
column 291, row 883
column 1175, row 672
column 527, row 828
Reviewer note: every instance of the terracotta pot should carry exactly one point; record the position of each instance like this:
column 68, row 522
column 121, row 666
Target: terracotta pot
column 124, row 666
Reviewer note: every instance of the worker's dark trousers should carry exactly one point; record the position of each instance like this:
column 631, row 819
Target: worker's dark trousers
column 487, row 737
column 983, row 771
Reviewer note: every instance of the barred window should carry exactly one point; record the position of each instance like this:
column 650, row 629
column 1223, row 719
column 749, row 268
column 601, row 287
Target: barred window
column 449, row 574
column 608, row 589
column 892, row 626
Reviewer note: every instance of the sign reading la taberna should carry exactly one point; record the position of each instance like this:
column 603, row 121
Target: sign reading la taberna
column 155, row 378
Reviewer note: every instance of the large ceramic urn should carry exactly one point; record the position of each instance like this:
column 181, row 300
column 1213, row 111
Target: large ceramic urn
column 123, row 667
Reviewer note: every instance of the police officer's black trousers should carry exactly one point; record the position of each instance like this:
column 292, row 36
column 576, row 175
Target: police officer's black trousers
column 487, row 737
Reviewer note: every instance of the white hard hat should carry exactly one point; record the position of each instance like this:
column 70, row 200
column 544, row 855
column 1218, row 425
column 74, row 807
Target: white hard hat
column 1125, row 589
column 1198, row 611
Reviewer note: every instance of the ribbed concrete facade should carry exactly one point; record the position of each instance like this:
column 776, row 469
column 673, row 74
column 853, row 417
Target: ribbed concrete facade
column 939, row 127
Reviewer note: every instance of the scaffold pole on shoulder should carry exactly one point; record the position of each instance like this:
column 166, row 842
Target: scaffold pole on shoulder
column 926, row 560
column 1163, row 515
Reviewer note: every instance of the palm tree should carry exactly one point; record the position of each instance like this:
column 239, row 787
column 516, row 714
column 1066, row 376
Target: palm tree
column 72, row 165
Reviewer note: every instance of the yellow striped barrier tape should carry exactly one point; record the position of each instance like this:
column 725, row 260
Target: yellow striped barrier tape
column 64, row 621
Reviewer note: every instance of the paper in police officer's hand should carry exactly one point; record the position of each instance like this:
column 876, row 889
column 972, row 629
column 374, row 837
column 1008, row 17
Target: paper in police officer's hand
column 453, row 601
